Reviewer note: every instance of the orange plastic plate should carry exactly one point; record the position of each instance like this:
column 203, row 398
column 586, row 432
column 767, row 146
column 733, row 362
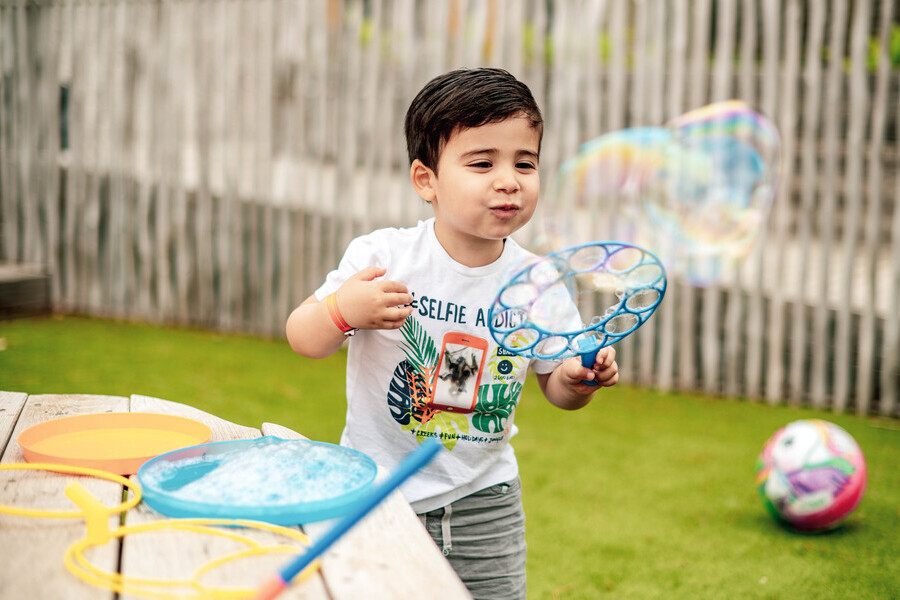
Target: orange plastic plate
column 115, row 442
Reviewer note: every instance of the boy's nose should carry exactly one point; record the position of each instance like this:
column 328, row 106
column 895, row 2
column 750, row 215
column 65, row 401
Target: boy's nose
column 506, row 181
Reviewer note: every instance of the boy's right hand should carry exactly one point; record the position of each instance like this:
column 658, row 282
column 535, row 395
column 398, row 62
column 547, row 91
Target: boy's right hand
column 367, row 302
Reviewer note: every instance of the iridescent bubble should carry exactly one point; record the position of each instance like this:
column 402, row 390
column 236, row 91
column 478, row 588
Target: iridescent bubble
column 554, row 309
column 696, row 192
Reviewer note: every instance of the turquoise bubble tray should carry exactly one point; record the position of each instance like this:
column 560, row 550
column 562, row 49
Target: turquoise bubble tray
column 283, row 482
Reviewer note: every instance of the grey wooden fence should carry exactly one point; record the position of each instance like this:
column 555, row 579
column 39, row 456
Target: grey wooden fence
column 206, row 161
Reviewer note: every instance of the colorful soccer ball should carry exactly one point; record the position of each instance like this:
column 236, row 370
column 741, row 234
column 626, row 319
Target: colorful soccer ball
column 811, row 474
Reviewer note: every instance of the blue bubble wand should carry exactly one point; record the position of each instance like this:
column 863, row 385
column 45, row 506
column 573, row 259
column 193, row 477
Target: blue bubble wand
column 536, row 313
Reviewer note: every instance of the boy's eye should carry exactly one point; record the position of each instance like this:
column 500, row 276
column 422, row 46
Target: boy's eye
column 481, row 164
column 526, row 165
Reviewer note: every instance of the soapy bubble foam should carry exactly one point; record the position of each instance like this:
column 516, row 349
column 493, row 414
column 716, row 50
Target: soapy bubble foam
column 269, row 472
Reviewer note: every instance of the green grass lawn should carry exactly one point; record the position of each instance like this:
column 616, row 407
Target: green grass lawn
column 640, row 495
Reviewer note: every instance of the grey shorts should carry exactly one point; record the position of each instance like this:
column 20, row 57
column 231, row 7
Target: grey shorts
column 483, row 537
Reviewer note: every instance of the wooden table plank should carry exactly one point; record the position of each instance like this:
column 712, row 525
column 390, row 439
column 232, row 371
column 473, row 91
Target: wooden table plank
column 32, row 549
column 151, row 554
column 11, row 404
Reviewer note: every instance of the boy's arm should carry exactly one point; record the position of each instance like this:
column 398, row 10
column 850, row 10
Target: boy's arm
column 363, row 301
column 564, row 387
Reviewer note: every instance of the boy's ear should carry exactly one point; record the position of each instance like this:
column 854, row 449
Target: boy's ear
column 422, row 179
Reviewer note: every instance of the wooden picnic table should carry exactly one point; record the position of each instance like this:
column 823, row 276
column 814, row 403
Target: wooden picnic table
column 388, row 555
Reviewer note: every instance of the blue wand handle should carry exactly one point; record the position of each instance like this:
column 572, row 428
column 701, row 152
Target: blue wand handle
column 589, row 349
column 414, row 461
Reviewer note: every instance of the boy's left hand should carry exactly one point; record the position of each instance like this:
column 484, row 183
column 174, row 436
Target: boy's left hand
column 604, row 373
column 565, row 386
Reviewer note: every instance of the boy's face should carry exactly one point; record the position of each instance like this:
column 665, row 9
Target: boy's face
column 485, row 188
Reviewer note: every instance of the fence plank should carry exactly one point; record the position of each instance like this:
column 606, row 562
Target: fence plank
column 676, row 68
column 266, row 37
column 890, row 373
column 19, row 121
column 810, row 125
column 858, row 98
column 73, row 159
column 205, row 110
column 32, row 182
column 756, row 319
column 561, row 135
column 787, row 117
column 82, row 201
column 180, row 161
column 226, row 48
column 165, row 123
column 145, row 131
column 654, row 110
column 697, row 96
column 93, row 261
column 822, row 368
column 617, row 94
column 50, row 165
column 7, row 205
column 120, row 231
column 735, row 321
column 29, row 183
column 42, row 99
column 866, row 380
column 722, row 78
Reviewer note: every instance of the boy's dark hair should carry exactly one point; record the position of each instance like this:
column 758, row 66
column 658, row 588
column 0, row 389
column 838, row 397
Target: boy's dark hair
column 463, row 99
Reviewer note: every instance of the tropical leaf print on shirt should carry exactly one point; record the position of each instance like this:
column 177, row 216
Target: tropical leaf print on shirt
column 418, row 346
column 496, row 401
column 408, row 394
column 421, row 362
column 402, row 388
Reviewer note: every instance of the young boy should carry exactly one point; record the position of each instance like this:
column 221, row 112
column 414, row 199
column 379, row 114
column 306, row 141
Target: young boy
column 418, row 297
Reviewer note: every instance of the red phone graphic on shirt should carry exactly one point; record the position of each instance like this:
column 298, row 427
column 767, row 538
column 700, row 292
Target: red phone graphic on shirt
column 458, row 372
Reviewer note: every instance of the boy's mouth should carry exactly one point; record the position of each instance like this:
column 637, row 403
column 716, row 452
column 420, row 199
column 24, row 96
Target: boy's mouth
column 505, row 210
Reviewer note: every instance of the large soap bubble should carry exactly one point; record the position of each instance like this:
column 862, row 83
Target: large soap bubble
column 696, row 192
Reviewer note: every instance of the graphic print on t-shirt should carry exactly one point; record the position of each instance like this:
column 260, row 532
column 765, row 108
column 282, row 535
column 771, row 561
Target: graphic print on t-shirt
column 446, row 401
column 459, row 369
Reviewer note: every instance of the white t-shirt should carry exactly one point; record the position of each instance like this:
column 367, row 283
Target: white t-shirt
column 391, row 374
